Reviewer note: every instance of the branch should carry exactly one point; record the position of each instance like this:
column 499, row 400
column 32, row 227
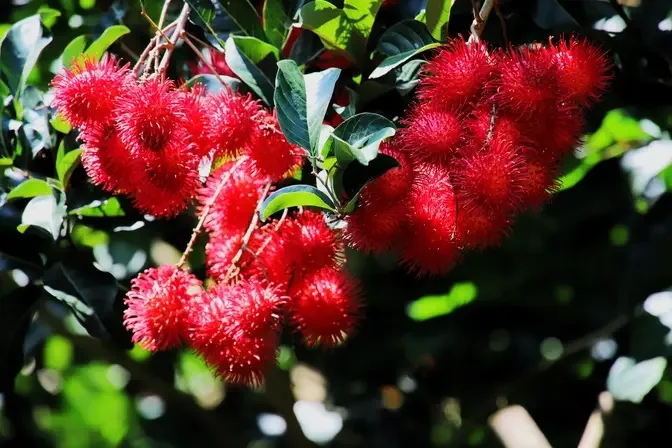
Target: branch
column 516, row 428
column 181, row 23
column 479, row 20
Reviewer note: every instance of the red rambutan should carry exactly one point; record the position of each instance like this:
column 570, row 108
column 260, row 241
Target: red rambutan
column 583, row 70
column 456, row 75
column 431, row 133
column 374, row 225
column 324, row 307
column 429, row 246
column 219, row 253
column 105, row 158
column 86, row 93
column 158, row 306
column 395, row 183
column 538, row 181
column 218, row 61
column 479, row 226
column 197, row 124
column 234, row 122
column 483, row 125
column 269, row 262
column 555, row 133
column 270, row 152
column 311, row 244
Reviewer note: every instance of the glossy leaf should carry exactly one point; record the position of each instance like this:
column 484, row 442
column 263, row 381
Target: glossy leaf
column 242, row 12
column 99, row 209
column 630, row 381
column 19, row 51
column 44, row 212
column 243, row 55
column 73, row 50
column 29, row 189
column 66, row 163
column 401, row 42
column 295, row 196
column 98, row 48
column 437, row 15
column 275, row 22
column 60, row 124
column 360, row 136
column 362, row 14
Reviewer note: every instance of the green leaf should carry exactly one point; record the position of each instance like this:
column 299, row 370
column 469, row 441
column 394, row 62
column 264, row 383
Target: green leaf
column 295, row 196
column 66, row 164
column 73, row 50
column 401, row 42
column 99, row 209
column 242, row 12
column 214, row 85
column 359, row 137
column 630, row 381
column 19, row 51
column 57, row 353
column 203, row 14
column 60, row 124
column 48, row 15
column 45, row 213
column 98, row 48
column 6, row 162
column 29, row 189
column 362, row 14
column 275, row 22
column 357, row 176
column 302, row 101
column 437, row 16
column 243, row 54
column 429, row 307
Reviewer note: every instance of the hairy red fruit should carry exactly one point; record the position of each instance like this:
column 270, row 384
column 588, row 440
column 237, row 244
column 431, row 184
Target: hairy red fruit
column 374, row 225
column 484, row 124
column 526, row 82
column 395, row 183
column 269, row 262
column 489, row 175
column 271, row 154
column 455, row 76
column 234, row 121
column 583, row 70
column 158, row 306
column 219, row 253
column 555, row 133
column 218, row 61
column 235, row 328
column 197, row 124
column 324, row 307
column 86, row 93
column 237, row 201
column 105, row 158
column 539, row 180
column 480, row 226
column 430, row 246
column 431, row 133
column 311, row 243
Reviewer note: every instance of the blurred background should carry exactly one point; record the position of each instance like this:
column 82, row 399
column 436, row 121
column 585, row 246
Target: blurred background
column 570, row 318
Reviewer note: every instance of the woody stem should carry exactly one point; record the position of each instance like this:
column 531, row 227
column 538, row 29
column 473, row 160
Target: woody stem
column 479, row 20
column 181, row 23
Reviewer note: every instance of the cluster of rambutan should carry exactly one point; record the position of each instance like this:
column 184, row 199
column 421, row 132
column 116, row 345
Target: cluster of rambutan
column 482, row 143
column 147, row 138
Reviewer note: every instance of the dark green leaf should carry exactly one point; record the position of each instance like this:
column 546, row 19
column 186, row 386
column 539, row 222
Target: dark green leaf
column 204, row 14
column 98, row 48
column 400, row 43
column 48, row 15
column 348, row 111
column 74, row 49
column 630, row 381
column 20, row 49
column 241, row 12
column 359, row 137
column 90, row 293
column 29, row 189
column 302, row 101
column 106, row 208
column 16, row 309
column 437, row 16
column 295, row 196
column 214, row 85
column 356, row 176
column 66, row 163
column 243, row 54
column 274, row 22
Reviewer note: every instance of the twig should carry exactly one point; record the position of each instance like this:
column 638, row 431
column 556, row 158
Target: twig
column 266, row 242
column 516, row 428
column 154, row 42
column 248, row 234
column 594, row 432
column 206, row 212
column 181, row 23
column 479, row 20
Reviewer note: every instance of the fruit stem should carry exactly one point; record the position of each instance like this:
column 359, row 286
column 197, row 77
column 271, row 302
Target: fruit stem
column 181, row 23
column 480, row 18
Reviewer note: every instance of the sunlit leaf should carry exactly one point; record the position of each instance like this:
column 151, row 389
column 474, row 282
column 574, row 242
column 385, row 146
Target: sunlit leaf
column 109, row 36
column 432, row 306
column 437, row 15
column 243, row 55
column 401, row 42
column 631, row 381
column 29, row 189
column 295, row 196
column 274, row 22
column 66, row 163
column 99, row 209
column 73, row 50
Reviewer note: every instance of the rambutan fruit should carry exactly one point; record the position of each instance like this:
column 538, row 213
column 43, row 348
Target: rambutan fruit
column 219, row 253
column 324, row 307
column 311, row 244
column 488, row 124
column 538, row 181
column 235, row 328
column 454, row 78
column 158, row 306
column 583, row 70
column 86, row 93
column 479, row 226
column 270, row 152
column 197, row 124
column 429, row 246
column 237, row 200
column 431, row 133
column 217, row 60
column 105, row 158
column 234, row 122
column 396, row 182
column 374, row 225
column 266, row 257
column 526, row 82
column 555, row 133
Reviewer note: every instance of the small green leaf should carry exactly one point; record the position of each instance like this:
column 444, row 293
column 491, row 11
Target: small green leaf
column 243, row 55
column 401, row 42
column 60, row 124
column 66, row 164
column 5, row 162
column 295, row 196
column 98, row 48
column 429, row 307
column 630, row 381
column 359, row 137
column 437, row 16
column 73, row 50
column 100, row 209
column 48, row 15
column 275, row 22
column 302, row 101
column 57, row 353
column 20, row 49
column 29, row 189
column 214, row 85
